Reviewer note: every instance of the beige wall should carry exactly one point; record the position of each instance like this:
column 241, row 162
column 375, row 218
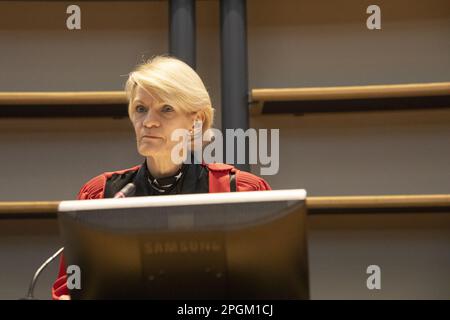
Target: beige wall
column 326, row 43
column 300, row 43
column 290, row 43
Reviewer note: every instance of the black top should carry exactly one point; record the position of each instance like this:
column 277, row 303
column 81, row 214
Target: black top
column 193, row 178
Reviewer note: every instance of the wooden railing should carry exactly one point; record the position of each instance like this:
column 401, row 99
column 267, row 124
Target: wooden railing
column 62, row 104
column 315, row 205
column 350, row 98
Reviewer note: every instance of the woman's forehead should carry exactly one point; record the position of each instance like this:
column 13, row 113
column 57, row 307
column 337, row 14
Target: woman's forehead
column 144, row 96
column 150, row 99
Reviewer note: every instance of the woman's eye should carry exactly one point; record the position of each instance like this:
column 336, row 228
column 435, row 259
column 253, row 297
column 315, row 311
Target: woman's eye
column 140, row 109
column 167, row 108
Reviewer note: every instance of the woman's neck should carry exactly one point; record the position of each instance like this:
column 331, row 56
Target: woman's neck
column 160, row 167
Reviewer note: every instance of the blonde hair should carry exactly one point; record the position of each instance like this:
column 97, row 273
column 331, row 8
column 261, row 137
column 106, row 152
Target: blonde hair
column 172, row 81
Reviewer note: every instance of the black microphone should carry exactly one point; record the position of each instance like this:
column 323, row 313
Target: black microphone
column 126, row 191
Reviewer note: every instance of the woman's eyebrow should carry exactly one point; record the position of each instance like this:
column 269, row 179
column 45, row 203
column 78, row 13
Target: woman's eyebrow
column 158, row 103
column 138, row 101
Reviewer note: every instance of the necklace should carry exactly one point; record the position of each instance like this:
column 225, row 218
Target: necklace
column 165, row 184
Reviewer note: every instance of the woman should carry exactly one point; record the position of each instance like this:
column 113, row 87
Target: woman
column 164, row 95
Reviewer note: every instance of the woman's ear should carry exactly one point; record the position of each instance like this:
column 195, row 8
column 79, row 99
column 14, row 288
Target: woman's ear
column 199, row 116
column 197, row 125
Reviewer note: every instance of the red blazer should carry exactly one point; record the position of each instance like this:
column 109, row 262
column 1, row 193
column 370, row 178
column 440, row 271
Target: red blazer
column 219, row 181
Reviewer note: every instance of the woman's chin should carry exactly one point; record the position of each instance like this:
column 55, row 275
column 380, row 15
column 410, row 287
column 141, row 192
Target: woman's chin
column 147, row 150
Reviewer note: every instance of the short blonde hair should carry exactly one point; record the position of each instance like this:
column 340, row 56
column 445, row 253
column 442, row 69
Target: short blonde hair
column 173, row 81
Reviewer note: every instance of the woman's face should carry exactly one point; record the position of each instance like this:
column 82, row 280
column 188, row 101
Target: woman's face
column 154, row 121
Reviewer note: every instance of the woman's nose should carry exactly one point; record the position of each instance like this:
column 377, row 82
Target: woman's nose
column 151, row 120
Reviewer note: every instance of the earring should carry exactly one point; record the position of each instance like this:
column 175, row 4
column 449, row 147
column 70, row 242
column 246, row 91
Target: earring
column 196, row 128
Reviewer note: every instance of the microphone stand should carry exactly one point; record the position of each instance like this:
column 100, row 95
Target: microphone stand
column 30, row 295
column 123, row 193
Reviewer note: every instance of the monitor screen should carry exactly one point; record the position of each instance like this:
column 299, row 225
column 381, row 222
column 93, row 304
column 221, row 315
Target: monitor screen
column 245, row 245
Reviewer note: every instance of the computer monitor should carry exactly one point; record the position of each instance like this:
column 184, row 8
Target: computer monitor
column 243, row 245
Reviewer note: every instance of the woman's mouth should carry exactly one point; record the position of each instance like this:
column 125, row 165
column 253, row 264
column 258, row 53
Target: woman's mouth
column 150, row 137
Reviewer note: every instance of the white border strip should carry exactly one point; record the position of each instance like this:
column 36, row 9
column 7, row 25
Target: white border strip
column 184, row 200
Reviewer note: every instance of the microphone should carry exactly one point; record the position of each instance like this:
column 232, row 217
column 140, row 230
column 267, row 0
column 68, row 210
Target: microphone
column 30, row 295
column 126, row 191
